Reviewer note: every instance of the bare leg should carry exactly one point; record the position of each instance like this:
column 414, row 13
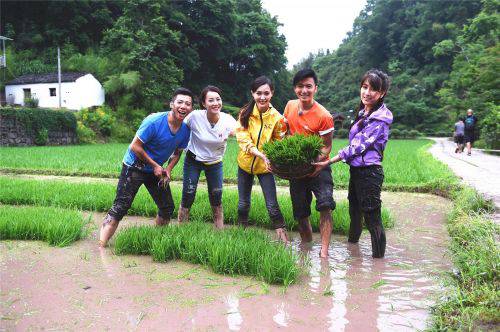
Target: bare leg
column 282, row 236
column 183, row 214
column 160, row 221
column 108, row 228
column 218, row 213
column 325, row 228
column 469, row 148
column 305, row 230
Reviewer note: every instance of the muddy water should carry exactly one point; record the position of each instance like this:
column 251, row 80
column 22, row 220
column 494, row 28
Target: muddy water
column 83, row 288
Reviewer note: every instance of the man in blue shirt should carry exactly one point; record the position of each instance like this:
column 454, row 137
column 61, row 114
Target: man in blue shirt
column 161, row 136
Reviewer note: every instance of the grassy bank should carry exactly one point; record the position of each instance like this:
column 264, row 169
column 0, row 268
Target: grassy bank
column 56, row 226
column 233, row 251
column 408, row 165
column 471, row 304
column 100, row 196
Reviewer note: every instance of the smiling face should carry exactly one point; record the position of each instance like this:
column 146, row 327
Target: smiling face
column 212, row 102
column 262, row 97
column 369, row 96
column 181, row 106
column 305, row 90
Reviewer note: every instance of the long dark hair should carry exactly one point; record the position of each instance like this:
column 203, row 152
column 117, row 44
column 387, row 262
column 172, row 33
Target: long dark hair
column 207, row 89
column 379, row 81
column 246, row 110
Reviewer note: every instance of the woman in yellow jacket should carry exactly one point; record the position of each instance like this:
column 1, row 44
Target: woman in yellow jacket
column 259, row 123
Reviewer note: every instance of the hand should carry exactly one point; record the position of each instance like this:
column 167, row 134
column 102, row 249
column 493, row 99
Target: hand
column 322, row 164
column 158, row 171
column 317, row 169
column 167, row 174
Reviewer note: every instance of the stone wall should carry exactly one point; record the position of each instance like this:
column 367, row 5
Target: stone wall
column 13, row 133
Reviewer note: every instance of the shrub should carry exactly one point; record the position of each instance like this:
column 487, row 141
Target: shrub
column 342, row 133
column 99, row 119
column 233, row 110
column 42, row 136
column 121, row 133
column 31, row 102
column 414, row 134
column 395, row 133
column 85, row 134
column 490, row 128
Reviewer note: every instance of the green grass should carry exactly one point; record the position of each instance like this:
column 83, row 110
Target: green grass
column 407, row 164
column 55, row 226
column 233, row 251
column 100, row 196
column 472, row 301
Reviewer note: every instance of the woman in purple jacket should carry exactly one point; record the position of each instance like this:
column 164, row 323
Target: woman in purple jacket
column 367, row 139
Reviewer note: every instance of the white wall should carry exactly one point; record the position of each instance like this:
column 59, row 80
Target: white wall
column 86, row 91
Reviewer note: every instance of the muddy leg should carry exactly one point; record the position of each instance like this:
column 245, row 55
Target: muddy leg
column 356, row 225
column 160, row 221
column 108, row 228
column 325, row 228
column 218, row 216
column 183, row 214
column 305, row 230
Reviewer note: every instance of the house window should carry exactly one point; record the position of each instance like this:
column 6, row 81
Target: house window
column 27, row 93
column 52, row 92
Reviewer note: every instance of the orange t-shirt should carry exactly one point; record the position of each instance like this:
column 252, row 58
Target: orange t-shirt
column 315, row 121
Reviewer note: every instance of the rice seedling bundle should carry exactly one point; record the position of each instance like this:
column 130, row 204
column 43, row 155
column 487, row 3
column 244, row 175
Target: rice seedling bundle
column 56, row 226
column 233, row 251
column 292, row 156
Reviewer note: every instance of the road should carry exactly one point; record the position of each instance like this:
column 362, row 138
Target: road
column 480, row 170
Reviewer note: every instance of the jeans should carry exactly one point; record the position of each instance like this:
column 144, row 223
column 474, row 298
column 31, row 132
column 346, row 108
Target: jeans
column 129, row 183
column 365, row 185
column 245, row 183
column 192, row 171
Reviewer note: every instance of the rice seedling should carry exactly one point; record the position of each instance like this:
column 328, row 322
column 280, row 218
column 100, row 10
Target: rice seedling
column 100, row 196
column 233, row 251
column 56, row 226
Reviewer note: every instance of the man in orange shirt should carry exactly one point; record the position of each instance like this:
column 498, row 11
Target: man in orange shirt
column 306, row 116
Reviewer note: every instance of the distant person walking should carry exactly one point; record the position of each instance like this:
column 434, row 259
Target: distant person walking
column 161, row 136
column 210, row 129
column 367, row 140
column 470, row 130
column 306, row 116
column 458, row 135
column 259, row 123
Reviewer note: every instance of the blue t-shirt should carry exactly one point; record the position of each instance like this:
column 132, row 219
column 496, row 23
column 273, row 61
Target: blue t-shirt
column 159, row 142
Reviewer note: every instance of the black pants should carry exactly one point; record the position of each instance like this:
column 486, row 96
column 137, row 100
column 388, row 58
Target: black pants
column 365, row 185
column 129, row 183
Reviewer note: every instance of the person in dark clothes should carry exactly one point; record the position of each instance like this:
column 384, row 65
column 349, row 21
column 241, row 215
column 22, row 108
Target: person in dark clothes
column 367, row 140
column 470, row 130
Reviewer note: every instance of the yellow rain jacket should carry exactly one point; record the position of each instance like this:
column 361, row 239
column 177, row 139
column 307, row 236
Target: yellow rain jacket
column 262, row 128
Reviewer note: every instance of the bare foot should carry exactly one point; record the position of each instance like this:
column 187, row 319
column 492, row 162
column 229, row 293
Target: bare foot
column 323, row 253
column 282, row 236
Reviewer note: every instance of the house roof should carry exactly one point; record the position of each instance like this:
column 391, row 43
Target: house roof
column 45, row 78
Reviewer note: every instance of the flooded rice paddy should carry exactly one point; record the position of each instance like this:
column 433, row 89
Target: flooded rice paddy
column 83, row 288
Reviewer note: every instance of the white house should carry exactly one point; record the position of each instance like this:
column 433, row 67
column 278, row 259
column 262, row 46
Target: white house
column 78, row 90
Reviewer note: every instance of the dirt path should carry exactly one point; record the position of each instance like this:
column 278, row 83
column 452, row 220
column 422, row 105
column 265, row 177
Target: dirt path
column 82, row 288
column 480, row 170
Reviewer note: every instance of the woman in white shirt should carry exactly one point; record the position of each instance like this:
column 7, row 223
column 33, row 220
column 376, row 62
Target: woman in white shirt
column 210, row 129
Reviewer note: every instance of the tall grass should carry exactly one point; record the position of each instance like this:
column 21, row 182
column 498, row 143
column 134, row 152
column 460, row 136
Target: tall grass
column 407, row 164
column 100, row 196
column 233, row 251
column 473, row 302
column 56, row 226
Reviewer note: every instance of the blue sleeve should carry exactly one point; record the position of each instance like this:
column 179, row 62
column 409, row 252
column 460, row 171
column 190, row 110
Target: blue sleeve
column 146, row 131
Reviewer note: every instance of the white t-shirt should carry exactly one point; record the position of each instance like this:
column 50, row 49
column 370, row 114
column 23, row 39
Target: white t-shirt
column 207, row 143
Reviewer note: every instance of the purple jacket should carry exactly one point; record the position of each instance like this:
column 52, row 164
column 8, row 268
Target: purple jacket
column 367, row 141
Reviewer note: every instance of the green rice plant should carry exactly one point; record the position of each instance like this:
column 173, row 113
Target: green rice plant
column 472, row 302
column 100, row 196
column 56, row 226
column 295, row 150
column 233, row 251
column 408, row 166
